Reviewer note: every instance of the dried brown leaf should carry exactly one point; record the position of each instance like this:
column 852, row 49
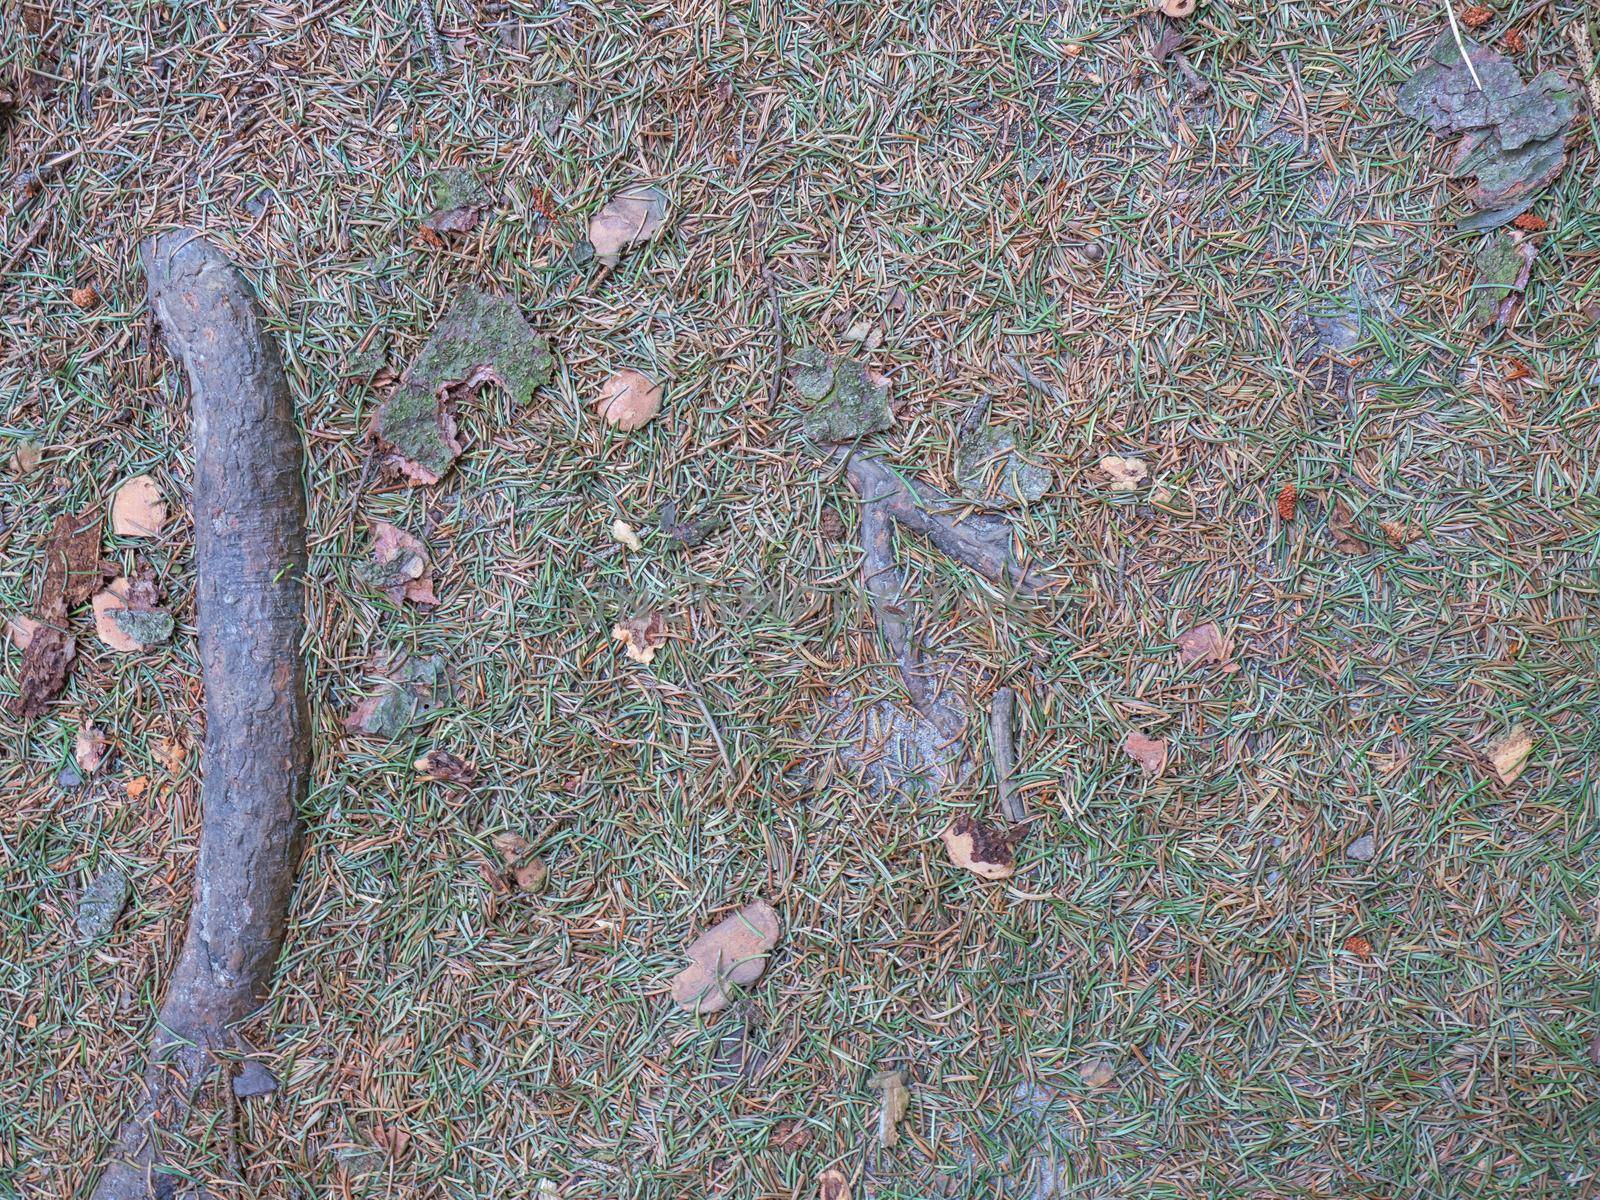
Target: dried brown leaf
column 138, row 510
column 26, row 458
column 641, row 636
column 832, row 1185
column 975, row 847
column 397, row 564
column 1202, row 644
column 1150, row 753
column 1342, row 525
column 630, row 218
column 628, row 400
column 444, row 767
column 90, row 747
column 732, row 952
column 1098, row 1072
column 892, row 1106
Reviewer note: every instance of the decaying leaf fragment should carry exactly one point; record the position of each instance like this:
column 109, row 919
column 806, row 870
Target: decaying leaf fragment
column 1509, row 756
column 138, row 509
column 732, row 952
column 128, row 615
column 1202, row 644
column 401, row 695
column 444, row 767
column 1150, row 753
column 624, row 534
column 481, row 339
column 849, row 401
column 641, row 636
column 630, row 218
column 459, row 199
column 975, row 847
column 1125, row 474
column 832, row 1185
column 1343, row 529
column 89, row 747
column 895, row 1100
column 628, row 400
column 397, row 564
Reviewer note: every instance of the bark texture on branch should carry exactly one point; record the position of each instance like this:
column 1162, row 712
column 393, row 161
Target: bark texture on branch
column 250, row 556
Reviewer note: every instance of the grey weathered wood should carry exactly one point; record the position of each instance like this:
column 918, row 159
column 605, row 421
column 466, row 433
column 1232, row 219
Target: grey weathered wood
column 250, row 556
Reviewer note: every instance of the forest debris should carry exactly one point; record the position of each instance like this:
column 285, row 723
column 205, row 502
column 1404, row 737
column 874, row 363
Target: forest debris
column 791, row 1135
column 128, row 616
column 551, row 104
column 1003, row 743
column 1502, row 267
column 1509, row 756
column 1363, row 849
column 1342, row 526
column 975, row 847
column 1176, row 9
column 1150, row 753
column 732, row 952
column 532, row 875
column 1514, row 131
column 481, row 339
column 253, row 1080
column 397, row 564
column 848, row 400
column 406, row 693
column 89, row 747
column 25, row 459
column 989, row 466
column 628, row 400
column 21, row 630
column 1288, row 499
column 443, row 767
column 1399, row 534
column 630, row 218
column 72, row 571
column 1125, row 474
column 623, row 534
column 1202, row 644
column 686, row 533
column 459, row 199
column 892, row 1105
column 832, row 1185
column 1097, row 1072
column 641, row 636
column 138, row 510
column 102, row 903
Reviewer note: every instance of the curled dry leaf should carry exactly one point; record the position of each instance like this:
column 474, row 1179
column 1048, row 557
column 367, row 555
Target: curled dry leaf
column 90, row 747
column 641, row 636
column 892, row 1106
column 832, row 1185
column 397, row 564
column 630, row 218
column 1202, row 644
column 975, row 847
column 138, row 510
column 444, row 767
column 1342, row 526
column 622, row 532
column 1125, row 474
column 732, row 952
column 628, row 400
column 1509, row 756
column 1150, row 753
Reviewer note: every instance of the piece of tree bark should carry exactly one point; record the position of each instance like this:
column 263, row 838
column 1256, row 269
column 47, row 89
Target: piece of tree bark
column 1003, row 735
column 250, row 556
column 982, row 541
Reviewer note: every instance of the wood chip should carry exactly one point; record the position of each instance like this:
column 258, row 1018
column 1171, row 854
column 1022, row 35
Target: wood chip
column 1509, row 756
column 138, row 510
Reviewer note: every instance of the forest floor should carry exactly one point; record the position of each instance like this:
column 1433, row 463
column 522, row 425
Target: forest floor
column 1326, row 951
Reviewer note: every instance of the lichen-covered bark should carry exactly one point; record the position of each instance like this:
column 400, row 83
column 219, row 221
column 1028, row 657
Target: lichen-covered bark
column 250, row 555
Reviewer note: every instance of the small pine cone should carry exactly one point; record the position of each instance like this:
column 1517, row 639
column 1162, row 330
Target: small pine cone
column 1514, row 42
column 85, row 297
column 1476, row 16
column 1287, row 499
column 1529, row 223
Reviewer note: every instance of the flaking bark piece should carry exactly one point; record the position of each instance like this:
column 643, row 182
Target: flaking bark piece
column 482, row 339
column 408, row 693
column 687, row 533
column 848, row 400
column 985, row 852
column 732, row 952
column 73, row 571
column 459, row 199
column 1502, row 265
column 989, row 466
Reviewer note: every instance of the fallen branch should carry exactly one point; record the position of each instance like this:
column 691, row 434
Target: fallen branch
column 982, row 541
column 250, row 556
column 1003, row 735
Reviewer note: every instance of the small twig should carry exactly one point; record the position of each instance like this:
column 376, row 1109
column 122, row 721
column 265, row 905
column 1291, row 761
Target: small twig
column 1461, row 44
column 430, row 30
column 1002, row 734
column 974, row 417
column 1578, row 34
column 28, row 239
column 777, row 339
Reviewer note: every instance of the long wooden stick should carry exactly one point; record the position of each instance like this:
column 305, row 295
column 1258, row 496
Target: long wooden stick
column 250, row 557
